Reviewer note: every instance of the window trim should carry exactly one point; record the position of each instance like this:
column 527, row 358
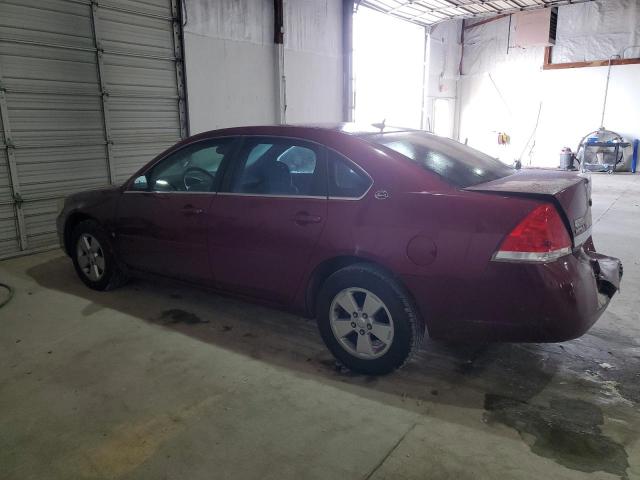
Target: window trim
column 357, row 167
column 153, row 192
column 270, row 195
column 229, row 172
column 236, row 141
column 226, row 170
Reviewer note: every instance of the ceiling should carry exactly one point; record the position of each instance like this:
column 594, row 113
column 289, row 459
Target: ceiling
column 429, row 12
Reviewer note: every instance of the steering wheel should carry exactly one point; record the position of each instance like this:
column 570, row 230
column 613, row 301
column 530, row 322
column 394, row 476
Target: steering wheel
column 198, row 179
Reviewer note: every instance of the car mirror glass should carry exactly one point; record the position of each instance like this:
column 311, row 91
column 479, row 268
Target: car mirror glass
column 140, row 183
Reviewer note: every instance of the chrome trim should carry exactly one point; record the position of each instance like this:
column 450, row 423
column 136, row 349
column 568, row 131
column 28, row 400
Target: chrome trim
column 348, row 198
column 530, row 257
column 270, row 195
column 180, row 192
column 240, row 194
column 583, row 237
column 381, row 195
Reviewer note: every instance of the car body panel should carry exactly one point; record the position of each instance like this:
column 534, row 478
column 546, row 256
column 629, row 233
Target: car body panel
column 149, row 225
column 260, row 246
column 436, row 239
column 568, row 189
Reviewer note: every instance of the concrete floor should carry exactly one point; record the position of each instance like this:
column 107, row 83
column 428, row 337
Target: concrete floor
column 158, row 381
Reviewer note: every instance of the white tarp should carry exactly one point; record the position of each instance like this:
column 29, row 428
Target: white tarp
column 586, row 31
column 503, row 92
column 597, row 30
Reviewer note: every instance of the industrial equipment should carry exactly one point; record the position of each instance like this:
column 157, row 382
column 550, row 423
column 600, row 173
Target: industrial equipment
column 601, row 151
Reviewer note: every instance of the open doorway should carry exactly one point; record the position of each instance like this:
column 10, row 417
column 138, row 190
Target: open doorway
column 443, row 117
column 388, row 63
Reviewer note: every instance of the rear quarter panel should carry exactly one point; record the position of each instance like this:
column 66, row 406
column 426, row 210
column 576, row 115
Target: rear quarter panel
column 437, row 240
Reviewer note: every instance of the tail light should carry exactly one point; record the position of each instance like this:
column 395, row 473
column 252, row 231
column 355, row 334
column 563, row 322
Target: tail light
column 540, row 237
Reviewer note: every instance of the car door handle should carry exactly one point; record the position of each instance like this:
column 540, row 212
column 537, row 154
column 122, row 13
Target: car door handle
column 304, row 218
column 191, row 210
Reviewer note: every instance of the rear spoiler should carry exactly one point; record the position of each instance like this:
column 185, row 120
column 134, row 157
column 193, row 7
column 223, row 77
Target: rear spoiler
column 532, row 182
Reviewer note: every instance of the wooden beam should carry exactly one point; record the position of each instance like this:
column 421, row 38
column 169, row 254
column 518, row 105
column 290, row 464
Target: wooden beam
column 486, row 20
column 547, row 56
column 594, row 63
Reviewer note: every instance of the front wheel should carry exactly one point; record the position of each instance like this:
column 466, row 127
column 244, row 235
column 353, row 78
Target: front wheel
column 367, row 320
column 94, row 258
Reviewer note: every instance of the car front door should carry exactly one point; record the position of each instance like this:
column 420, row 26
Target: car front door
column 162, row 216
column 268, row 217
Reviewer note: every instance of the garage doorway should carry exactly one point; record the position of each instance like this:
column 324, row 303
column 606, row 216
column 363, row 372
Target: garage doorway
column 388, row 64
column 89, row 92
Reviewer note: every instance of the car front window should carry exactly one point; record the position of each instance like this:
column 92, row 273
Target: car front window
column 193, row 168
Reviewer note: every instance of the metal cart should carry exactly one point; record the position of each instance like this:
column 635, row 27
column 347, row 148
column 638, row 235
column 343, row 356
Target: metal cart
column 607, row 156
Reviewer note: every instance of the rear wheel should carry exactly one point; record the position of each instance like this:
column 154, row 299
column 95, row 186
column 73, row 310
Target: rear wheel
column 94, row 258
column 367, row 320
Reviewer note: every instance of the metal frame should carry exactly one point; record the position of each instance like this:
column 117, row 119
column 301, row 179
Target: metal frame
column 178, row 52
column 431, row 12
column 281, row 78
column 13, row 169
column 103, row 92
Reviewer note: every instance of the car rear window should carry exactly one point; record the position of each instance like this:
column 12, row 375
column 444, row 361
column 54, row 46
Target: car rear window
column 457, row 163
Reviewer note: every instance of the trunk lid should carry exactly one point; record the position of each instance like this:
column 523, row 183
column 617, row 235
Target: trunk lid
column 570, row 192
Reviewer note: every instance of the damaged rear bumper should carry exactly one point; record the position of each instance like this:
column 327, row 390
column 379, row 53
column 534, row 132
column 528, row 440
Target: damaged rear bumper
column 550, row 302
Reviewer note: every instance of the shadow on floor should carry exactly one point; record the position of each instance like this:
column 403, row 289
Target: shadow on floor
column 562, row 422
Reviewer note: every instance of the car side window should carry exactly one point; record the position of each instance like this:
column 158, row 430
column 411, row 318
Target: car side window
column 299, row 160
column 279, row 166
column 193, row 168
column 345, row 179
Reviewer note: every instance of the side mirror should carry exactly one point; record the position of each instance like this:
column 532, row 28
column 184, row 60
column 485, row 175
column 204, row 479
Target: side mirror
column 140, row 184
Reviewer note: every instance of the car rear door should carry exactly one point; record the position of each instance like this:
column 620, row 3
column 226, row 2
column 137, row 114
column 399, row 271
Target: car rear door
column 268, row 217
column 162, row 217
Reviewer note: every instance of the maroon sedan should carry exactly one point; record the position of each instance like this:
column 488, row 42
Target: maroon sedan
column 381, row 235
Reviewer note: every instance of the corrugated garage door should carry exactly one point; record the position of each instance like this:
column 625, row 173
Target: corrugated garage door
column 89, row 91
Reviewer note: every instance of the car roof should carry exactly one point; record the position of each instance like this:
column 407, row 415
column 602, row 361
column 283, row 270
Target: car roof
column 348, row 128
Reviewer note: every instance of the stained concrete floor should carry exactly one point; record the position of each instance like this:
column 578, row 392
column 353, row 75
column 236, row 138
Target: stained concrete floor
column 158, row 381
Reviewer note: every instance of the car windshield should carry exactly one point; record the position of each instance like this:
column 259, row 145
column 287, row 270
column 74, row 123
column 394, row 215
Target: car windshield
column 457, row 163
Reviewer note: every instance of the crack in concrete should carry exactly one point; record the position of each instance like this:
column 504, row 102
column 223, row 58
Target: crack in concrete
column 393, row 448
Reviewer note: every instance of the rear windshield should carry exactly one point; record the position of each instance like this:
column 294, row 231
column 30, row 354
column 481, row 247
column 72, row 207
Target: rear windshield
column 457, row 163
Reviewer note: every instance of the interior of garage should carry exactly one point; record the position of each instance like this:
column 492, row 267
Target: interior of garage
column 162, row 380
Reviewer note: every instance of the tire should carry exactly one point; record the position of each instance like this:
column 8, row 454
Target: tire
column 368, row 286
column 111, row 273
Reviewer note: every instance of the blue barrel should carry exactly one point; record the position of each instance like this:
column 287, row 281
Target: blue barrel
column 634, row 160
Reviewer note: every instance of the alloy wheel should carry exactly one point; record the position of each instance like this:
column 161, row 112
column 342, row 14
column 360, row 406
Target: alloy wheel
column 90, row 257
column 361, row 323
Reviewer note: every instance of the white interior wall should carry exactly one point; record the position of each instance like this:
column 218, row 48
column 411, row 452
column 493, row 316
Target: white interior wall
column 443, row 64
column 230, row 62
column 502, row 92
column 313, row 60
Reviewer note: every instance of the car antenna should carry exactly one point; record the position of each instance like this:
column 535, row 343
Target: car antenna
column 380, row 125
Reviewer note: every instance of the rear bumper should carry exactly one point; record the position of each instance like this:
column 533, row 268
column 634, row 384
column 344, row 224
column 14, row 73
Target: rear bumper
column 520, row 302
